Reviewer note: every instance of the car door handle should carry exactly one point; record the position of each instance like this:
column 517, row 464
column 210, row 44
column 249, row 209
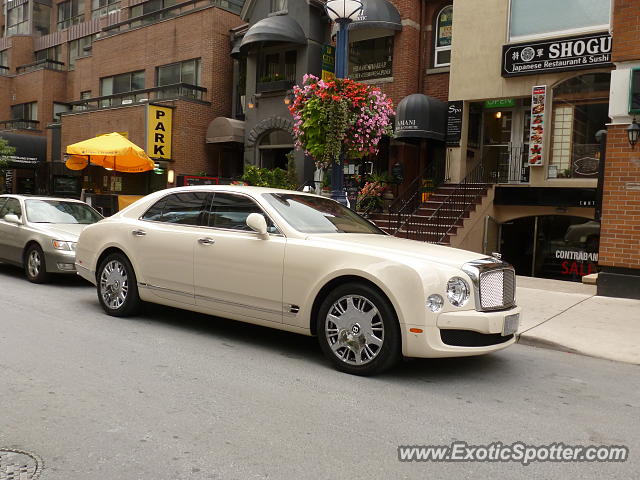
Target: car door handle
column 206, row 241
column 138, row 233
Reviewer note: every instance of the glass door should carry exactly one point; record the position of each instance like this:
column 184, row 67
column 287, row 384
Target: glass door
column 518, row 166
column 497, row 143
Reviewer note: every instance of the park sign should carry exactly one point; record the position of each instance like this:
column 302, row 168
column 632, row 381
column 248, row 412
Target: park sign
column 558, row 55
column 159, row 131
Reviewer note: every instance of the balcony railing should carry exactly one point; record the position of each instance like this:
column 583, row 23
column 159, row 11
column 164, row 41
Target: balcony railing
column 234, row 6
column 41, row 64
column 19, row 125
column 166, row 92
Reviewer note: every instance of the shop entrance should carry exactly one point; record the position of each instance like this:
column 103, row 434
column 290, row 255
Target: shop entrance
column 561, row 247
column 505, row 141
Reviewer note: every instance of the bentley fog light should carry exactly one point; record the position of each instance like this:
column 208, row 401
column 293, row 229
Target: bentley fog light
column 458, row 291
column 435, row 302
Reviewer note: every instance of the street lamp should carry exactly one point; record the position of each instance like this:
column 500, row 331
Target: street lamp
column 343, row 13
column 633, row 132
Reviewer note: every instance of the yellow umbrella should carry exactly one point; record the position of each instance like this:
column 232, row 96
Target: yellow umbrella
column 111, row 151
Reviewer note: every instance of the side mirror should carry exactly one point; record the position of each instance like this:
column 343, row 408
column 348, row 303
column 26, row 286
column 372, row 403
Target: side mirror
column 257, row 223
column 12, row 218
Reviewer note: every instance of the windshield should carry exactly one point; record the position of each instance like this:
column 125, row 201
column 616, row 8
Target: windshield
column 60, row 211
column 310, row 214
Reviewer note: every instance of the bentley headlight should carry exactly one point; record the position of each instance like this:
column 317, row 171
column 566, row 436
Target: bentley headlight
column 458, row 291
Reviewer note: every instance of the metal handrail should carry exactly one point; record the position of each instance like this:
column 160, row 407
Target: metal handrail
column 137, row 96
column 440, row 223
column 40, row 64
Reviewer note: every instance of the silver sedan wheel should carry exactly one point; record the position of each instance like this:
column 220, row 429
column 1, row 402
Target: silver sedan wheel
column 34, row 263
column 114, row 284
column 354, row 330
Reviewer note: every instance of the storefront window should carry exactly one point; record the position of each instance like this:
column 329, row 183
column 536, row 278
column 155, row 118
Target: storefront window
column 552, row 17
column 566, row 247
column 580, row 109
column 371, row 59
column 444, row 30
column 70, row 13
column 18, row 19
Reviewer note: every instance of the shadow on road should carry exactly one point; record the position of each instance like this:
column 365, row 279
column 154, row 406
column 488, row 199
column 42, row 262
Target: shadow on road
column 303, row 348
column 67, row 281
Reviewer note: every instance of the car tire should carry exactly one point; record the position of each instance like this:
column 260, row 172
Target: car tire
column 358, row 330
column 35, row 266
column 117, row 286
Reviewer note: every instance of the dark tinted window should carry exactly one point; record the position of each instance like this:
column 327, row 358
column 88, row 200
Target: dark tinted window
column 183, row 208
column 2, row 201
column 12, row 206
column 231, row 211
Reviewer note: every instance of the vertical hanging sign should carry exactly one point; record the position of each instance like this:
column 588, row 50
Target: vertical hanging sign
column 538, row 122
column 159, row 131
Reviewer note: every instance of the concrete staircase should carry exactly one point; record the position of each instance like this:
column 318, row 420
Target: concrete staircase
column 438, row 219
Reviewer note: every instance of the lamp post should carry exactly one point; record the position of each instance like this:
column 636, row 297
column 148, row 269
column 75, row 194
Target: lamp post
column 341, row 12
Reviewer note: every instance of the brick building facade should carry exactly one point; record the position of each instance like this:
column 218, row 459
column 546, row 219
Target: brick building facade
column 619, row 260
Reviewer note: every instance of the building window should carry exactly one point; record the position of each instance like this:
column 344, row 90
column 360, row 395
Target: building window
column 150, row 7
column 4, row 60
column 59, row 108
column 277, row 71
column 124, row 83
column 278, row 6
column 41, row 18
column 581, row 106
column 442, row 43
column 25, row 111
column 52, row 53
column 70, row 13
column 187, row 72
column 370, row 59
column 78, row 49
column 18, row 19
column 100, row 8
column 548, row 18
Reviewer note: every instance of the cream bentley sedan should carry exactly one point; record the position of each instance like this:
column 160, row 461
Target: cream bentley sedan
column 302, row 263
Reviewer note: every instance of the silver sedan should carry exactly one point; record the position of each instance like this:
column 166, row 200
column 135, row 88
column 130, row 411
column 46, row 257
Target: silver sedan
column 40, row 233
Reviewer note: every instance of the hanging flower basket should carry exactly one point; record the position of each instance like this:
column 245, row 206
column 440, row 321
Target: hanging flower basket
column 339, row 116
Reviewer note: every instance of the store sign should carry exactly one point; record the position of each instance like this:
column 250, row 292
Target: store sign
column 536, row 135
column 159, row 131
column 454, row 123
column 371, row 70
column 570, row 53
column 328, row 62
column 500, row 103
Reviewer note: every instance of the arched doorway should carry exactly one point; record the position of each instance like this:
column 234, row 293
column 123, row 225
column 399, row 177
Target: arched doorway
column 561, row 247
column 273, row 149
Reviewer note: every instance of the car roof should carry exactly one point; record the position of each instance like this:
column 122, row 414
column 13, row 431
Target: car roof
column 232, row 188
column 38, row 197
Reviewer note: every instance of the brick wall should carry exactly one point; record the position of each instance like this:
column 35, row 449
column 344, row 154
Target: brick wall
column 620, row 225
column 626, row 35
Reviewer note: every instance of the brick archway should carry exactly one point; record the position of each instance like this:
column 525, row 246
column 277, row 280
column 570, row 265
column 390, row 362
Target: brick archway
column 271, row 123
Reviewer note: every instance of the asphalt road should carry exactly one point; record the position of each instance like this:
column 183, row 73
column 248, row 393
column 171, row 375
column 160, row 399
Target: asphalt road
column 175, row 395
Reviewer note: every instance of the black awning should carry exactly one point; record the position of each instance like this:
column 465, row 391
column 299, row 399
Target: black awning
column 377, row 14
column 420, row 116
column 271, row 30
column 27, row 146
column 225, row 130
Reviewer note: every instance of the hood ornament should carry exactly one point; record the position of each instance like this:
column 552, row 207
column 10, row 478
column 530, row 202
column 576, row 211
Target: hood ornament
column 496, row 255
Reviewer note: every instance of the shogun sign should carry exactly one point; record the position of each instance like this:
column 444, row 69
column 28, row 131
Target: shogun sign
column 570, row 53
column 159, row 131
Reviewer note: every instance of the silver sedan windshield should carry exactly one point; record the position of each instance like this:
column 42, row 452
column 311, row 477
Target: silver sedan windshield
column 59, row 211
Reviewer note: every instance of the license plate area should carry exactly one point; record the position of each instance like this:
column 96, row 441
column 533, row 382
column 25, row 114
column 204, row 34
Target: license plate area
column 511, row 324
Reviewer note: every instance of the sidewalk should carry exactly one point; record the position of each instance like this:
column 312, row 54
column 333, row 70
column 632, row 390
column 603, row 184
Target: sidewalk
column 568, row 316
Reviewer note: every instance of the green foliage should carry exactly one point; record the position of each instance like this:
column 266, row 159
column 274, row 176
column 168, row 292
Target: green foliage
column 6, row 150
column 292, row 177
column 325, row 125
column 263, row 177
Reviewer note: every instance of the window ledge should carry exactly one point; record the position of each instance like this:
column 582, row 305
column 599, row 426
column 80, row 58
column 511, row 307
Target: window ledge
column 436, row 70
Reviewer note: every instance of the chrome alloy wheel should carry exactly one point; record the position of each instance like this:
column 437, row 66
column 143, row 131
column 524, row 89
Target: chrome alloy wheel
column 114, row 284
column 354, row 330
column 34, row 263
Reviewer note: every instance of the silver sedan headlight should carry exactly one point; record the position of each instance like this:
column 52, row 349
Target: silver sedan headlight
column 458, row 291
column 62, row 245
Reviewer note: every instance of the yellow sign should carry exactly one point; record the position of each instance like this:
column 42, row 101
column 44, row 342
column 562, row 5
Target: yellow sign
column 159, row 130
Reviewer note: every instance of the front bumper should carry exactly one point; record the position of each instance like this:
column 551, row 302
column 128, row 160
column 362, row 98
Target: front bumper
column 476, row 328
column 60, row 261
